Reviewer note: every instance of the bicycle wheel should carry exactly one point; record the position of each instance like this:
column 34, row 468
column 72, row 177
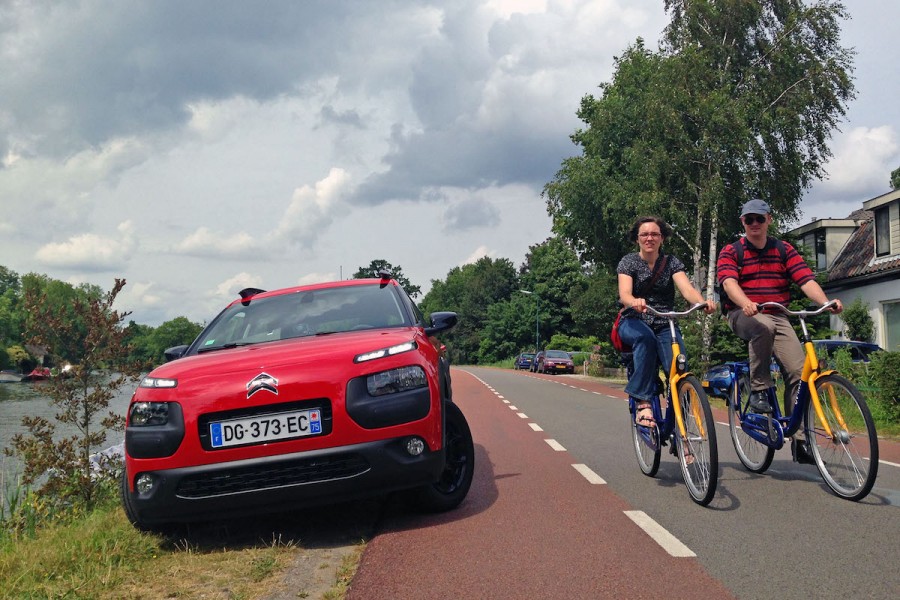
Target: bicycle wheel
column 848, row 461
column 646, row 446
column 753, row 454
column 701, row 474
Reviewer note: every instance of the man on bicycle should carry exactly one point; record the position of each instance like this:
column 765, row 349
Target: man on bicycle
column 762, row 271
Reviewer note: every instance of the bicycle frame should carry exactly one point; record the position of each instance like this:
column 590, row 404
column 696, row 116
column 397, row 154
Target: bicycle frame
column 677, row 372
column 755, row 425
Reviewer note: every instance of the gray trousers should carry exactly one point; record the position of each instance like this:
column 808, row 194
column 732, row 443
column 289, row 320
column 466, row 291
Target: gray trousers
column 768, row 334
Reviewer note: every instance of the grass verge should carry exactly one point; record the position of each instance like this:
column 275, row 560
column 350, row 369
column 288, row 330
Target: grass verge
column 102, row 556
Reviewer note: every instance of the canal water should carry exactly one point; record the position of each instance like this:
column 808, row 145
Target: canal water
column 29, row 399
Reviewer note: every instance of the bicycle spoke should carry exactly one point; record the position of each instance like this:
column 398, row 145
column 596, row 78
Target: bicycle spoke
column 698, row 452
column 753, row 454
column 847, row 460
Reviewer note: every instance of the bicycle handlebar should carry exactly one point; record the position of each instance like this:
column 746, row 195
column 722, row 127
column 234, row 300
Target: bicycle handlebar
column 797, row 313
column 676, row 314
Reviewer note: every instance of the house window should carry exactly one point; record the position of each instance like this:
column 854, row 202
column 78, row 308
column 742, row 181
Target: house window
column 821, row 259
column 882, row 232
column 892, row 326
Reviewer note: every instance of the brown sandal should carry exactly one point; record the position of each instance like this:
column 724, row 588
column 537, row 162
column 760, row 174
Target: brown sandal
column 644, row 414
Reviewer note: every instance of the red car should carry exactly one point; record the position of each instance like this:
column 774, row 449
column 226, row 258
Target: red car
column 555, row 361
column 297, row 397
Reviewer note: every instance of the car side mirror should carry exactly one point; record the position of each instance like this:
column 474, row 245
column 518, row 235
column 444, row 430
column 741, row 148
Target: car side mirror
column 175, row 352
column 441, row 321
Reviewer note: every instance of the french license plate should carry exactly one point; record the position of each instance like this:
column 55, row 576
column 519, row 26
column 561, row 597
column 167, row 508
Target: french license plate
column 265, row 428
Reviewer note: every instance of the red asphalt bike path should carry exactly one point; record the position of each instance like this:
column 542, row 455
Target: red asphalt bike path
column 532, row 526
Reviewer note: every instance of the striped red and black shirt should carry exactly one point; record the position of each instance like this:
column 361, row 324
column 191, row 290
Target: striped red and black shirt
column 763, row 276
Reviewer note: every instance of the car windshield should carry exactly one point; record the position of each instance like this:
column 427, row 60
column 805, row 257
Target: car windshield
column 556, row 354
column 528, row 356
column 305, row 313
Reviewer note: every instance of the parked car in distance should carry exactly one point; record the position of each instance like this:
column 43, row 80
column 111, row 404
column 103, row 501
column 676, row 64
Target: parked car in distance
column 534, row 362
column 524, row 361
column 295, row 398
column 555, row 361
column 859, row 351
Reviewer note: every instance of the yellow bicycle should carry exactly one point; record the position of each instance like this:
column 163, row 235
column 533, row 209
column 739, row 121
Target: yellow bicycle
column 687, row 427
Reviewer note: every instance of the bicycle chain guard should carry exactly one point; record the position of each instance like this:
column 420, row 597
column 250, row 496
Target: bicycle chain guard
column 764, row 429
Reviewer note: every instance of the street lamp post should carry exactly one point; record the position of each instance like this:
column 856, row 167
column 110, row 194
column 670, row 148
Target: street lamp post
column 537, row 320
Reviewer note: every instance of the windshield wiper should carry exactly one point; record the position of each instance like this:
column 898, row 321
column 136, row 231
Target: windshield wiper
column 223, row 347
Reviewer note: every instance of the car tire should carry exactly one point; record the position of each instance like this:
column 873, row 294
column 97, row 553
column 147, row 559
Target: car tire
column 456, row 479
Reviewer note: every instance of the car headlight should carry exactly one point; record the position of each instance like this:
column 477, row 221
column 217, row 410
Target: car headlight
column 158, row 382
column 396, row 380
column 146, row 414
column 391, row 351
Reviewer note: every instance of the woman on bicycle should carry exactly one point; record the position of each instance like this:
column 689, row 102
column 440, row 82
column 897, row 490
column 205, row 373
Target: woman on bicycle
column 649, row 336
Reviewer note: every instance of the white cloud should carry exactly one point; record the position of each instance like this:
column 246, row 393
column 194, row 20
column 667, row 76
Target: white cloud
column 229, row 288
column 91, row 252
column 311, row 278
column 206, row 243
column 312, row 209
column 863, row 159
column 480, row 252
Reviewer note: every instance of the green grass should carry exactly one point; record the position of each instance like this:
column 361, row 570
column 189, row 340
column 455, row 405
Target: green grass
column 101, row 556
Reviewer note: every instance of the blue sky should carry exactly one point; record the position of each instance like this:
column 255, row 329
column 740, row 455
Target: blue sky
column 196, row 148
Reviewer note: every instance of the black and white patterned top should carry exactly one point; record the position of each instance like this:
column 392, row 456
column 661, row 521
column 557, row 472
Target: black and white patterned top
column 661, row 296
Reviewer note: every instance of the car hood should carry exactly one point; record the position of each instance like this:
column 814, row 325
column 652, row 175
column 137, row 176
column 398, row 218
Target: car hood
column 325, row 351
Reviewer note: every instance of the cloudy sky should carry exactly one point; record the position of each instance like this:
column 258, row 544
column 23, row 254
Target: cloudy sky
column 196, row 148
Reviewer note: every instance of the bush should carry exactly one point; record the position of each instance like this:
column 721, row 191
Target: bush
column 884, row 369
column 859, row 324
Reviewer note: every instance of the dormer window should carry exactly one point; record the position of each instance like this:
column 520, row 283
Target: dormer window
column 882, row 231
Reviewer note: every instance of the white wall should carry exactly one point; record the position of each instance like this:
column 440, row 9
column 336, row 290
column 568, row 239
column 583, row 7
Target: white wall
column 875, row 294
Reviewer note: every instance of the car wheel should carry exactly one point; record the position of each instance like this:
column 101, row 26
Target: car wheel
column 456, row 479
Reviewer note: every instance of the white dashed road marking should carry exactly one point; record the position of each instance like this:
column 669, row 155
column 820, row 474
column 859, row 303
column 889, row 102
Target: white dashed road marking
column 666, row 540
column 555, row 445
column 522, row 416
column 535, row 426
column 588, row 474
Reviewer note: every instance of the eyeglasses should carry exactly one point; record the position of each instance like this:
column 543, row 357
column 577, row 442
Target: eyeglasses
column 751, row 219
column 653, row 234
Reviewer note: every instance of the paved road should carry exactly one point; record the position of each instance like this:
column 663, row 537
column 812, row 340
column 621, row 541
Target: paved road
column 559, row 509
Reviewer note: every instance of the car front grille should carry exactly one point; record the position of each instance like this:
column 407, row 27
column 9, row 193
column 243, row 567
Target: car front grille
column 255, row 478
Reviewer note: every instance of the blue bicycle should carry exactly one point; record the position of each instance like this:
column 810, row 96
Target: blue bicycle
column 833, row 413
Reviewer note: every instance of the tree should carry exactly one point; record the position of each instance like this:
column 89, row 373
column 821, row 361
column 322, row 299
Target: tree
column 739, row 102
column 508, row 329
column 469, row 291
column 378, row 265
column 859, row 323
column 895, row 178
column 82, row 398
column 552, row 271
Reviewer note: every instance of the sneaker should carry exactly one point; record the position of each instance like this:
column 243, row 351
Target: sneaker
column 800, row 452
column 759, row 403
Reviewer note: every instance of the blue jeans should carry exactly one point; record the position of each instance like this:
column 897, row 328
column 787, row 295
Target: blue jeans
column 649, row 351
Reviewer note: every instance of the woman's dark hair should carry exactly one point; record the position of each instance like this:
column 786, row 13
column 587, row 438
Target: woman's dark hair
column 664, row 228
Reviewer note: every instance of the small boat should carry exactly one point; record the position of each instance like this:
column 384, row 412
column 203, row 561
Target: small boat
column 38, row 374
column 8, row 376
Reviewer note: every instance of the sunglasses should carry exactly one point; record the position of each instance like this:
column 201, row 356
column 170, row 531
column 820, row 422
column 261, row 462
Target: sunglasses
column 751, row 219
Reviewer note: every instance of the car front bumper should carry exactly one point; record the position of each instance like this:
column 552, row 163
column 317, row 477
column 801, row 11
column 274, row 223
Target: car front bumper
column 283, row 482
